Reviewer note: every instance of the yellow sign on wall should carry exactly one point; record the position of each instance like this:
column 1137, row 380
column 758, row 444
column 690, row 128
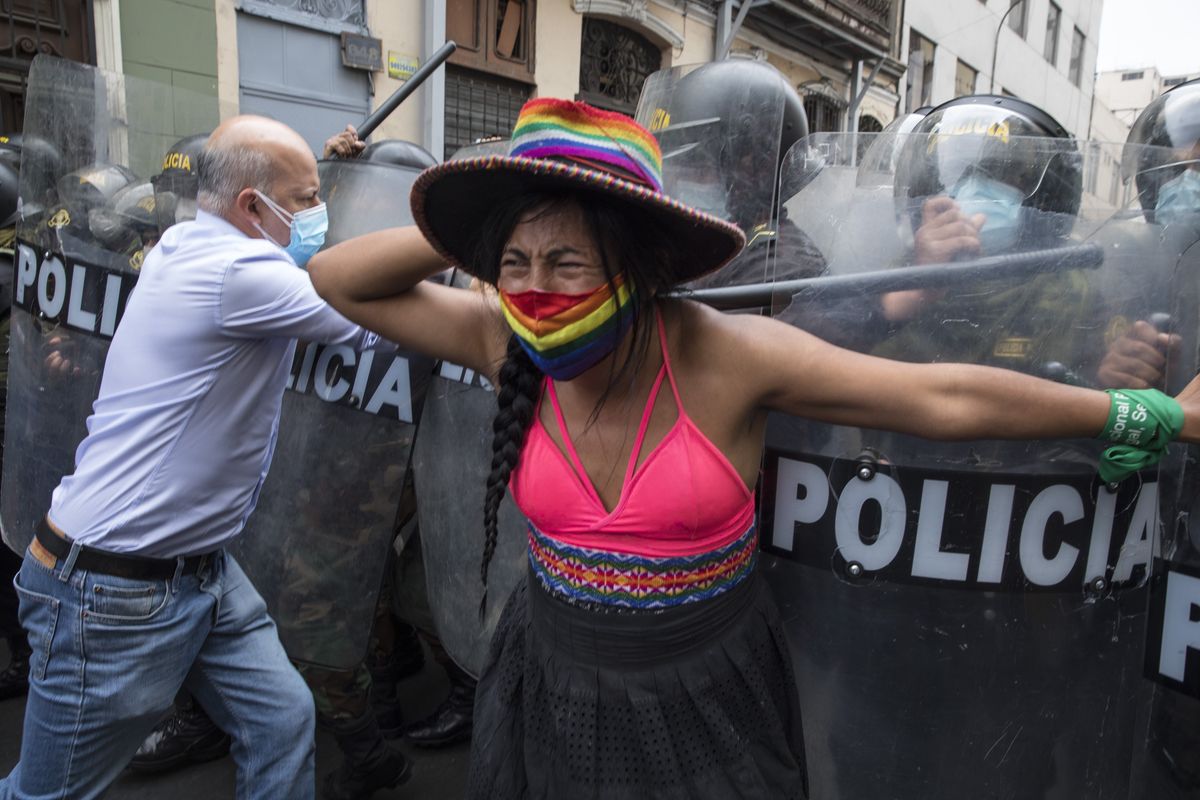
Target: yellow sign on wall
column 401, row 66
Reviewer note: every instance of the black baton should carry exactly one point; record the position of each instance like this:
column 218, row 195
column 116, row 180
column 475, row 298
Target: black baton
column 925, row 276
column 368, row 125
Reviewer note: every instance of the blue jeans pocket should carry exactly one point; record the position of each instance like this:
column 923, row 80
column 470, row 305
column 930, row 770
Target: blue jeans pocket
column 39, row 617
column 116, row 600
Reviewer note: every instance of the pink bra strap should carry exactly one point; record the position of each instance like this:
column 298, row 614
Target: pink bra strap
column 662, row 340
column 566, row 437
column 641, row 434
column 577, row 463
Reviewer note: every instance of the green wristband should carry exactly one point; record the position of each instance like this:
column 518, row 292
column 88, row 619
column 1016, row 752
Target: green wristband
column 1141, row 423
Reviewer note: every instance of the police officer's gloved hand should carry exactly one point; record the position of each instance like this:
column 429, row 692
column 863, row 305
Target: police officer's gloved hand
column 344, row 145
column 59, row 361
column 946, row 234
column 1138, row 358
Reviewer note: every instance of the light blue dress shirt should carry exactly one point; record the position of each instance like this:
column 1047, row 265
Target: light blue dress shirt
column 181, row 436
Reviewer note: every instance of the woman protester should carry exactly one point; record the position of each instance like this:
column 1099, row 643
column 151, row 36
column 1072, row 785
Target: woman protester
column 643, row 658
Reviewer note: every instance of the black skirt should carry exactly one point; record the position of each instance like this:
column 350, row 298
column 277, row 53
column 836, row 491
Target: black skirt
column 697, row 701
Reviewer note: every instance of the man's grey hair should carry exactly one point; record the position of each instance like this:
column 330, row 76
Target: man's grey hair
column 225, row 171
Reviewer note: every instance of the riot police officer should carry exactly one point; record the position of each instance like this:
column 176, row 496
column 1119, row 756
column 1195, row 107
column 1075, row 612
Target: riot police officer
column 983, row 184
column 1167, row 182
column 986, row 658
column 725, row 128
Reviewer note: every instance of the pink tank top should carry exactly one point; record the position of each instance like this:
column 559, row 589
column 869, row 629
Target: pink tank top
column 685, row 499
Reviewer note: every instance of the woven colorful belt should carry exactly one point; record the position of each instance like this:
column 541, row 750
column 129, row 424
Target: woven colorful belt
column 603, row 578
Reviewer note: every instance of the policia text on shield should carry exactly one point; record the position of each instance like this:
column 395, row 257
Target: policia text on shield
column 582, row 246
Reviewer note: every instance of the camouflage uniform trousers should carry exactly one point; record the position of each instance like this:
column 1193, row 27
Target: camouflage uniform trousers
column 344, row 695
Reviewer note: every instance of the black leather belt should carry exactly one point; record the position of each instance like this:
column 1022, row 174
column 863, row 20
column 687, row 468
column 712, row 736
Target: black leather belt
column 124, row 565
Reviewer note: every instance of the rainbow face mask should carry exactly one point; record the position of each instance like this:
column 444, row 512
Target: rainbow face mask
column 568, row 334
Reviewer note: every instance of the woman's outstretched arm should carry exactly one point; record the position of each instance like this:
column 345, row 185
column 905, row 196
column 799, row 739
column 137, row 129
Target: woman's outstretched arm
column 789, row 370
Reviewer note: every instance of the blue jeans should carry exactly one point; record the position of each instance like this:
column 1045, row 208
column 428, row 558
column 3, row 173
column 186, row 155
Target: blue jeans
column 110, row 653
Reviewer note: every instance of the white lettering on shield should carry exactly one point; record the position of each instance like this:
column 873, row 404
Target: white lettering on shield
column 463, row 375
column 803, row 496
column 1181, row 625
column 84, row 297
column 340, row 374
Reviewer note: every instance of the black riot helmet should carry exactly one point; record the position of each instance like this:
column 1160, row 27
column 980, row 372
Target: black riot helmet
column 129, row 221
column 179, row 176
column 724, row 128
column 734, row 89
column 369, row 192
column 399, row 153
column 43, row 164
column 1171, row 121
column 179, row 167
column 92, row 187
column 178, row 184
column 1000, row 139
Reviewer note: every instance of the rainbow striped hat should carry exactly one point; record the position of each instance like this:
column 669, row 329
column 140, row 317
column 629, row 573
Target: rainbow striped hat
column 564, row 144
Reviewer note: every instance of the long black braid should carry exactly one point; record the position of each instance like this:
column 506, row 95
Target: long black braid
column 516, row 398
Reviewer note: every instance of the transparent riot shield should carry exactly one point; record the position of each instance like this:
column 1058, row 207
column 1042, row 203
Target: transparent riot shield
column 967, row 619
column 451, row 465
column 1167, row 737
column 720, row 134
column 82, row 235
column 321, row 535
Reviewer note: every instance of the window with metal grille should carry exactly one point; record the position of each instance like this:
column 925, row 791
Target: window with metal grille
column 613, row 65
column 823, row 113
column 27, row 27
column 479, row 105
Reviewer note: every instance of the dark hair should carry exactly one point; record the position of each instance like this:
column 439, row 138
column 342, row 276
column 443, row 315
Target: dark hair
column 630, row 242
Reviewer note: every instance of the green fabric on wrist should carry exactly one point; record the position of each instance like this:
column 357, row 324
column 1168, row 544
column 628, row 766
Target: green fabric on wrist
column 1141, row 423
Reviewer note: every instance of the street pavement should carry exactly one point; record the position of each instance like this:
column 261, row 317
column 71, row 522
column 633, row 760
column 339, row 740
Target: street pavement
column 437, row 774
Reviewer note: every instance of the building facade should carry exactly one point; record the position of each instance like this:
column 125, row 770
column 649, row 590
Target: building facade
column 1128, row 91
column 856, row 63
column 291, row 59
column 1042, row 51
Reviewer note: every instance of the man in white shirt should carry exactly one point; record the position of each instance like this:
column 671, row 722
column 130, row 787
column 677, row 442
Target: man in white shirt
column 127, row 592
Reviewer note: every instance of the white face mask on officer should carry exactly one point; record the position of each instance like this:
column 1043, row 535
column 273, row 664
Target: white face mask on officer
column 999, row 203
column 307, row 229
column 1178, row 199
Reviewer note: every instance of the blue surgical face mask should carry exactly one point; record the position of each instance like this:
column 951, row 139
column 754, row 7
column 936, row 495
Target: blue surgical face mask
column 1178, row 198
column 307, row 228
column 999, row 203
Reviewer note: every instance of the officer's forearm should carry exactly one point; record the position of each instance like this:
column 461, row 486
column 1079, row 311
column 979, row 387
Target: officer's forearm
column 374, row 266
